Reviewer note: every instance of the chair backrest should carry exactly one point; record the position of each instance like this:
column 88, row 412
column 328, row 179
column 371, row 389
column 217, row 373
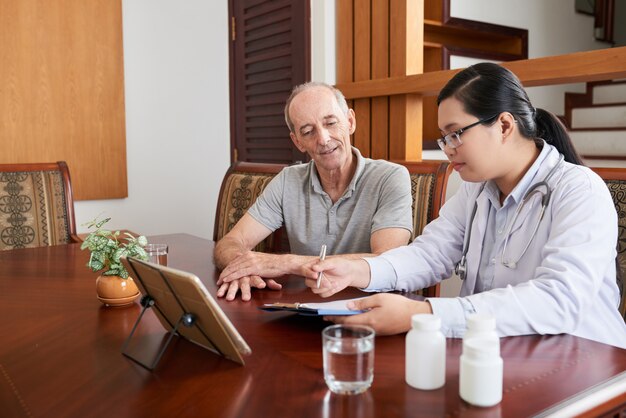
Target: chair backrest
column 36, row 205
column 242, row 184
column 429, row 180
column 615, row 179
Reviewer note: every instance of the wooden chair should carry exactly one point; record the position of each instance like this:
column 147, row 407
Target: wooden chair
column 36, row 205
column 615, row 179
column 242, row 184
column 429, row 180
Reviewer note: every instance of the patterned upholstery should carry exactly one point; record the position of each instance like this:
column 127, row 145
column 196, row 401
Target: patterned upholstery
column 243, row 183
column 615, row 179
column 618, row 192
column 422, row 188
column 36, row 207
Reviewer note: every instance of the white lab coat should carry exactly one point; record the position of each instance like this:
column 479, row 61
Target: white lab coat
column 564, row 283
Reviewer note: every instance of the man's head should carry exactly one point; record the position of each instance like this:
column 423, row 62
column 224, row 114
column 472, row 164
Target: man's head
column 321, row 124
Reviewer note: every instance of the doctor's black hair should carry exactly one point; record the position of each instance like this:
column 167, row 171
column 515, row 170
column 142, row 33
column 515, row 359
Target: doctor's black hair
column 488, row 89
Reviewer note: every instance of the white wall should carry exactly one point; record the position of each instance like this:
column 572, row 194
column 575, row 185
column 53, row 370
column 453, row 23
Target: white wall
column 323, row 41
column 177, row 117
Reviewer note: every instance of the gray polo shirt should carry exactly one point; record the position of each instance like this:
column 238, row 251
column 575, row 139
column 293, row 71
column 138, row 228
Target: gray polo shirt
column 378, row 197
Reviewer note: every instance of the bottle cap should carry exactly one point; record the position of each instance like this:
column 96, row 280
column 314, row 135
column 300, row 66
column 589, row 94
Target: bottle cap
column 481, row 322
column 426, row 322
column 481, row 347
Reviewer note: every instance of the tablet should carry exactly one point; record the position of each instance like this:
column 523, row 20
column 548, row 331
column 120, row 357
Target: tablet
column 176, row 292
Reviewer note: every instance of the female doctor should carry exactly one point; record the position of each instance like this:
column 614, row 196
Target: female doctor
column 531, row 232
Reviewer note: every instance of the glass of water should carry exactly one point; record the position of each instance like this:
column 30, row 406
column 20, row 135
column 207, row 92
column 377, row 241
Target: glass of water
column 157, row 253
column 348, row 358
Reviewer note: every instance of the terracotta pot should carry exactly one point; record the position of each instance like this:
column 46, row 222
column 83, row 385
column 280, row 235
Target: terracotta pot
column 115, row 291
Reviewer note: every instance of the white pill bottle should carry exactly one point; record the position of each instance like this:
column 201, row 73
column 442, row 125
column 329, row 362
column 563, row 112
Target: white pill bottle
column 481, row 371
column 425, row 353
column 481, row 325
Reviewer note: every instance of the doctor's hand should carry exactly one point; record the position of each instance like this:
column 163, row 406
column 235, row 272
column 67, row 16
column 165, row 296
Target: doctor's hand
column 245, row 285
column 338, row 273
column 387, row 313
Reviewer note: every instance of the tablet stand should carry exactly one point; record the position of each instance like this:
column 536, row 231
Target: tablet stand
column 180, row 312
column 187, row 319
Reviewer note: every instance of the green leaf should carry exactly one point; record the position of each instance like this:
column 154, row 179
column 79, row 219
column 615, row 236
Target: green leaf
column 95, row 265
column 118, row 254
column 102, row 222
column 142, row 254
column 106, row 250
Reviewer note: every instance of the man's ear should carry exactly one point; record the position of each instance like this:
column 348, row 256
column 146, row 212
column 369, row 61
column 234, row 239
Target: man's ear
column 296, row 142
column 351, row 120
column 507, row 124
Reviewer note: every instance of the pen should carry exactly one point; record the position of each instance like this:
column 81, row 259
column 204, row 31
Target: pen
column 322, row 257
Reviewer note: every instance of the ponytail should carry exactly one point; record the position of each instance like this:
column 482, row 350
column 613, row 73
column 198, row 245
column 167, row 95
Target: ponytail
column 552, row 130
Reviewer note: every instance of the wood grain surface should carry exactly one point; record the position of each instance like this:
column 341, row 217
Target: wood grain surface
column 60, row 355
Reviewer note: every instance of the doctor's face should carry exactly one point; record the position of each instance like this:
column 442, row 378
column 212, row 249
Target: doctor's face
column 478, row 156
column 321, row 128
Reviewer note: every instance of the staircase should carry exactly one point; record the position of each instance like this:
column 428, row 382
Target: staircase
column 596, row 120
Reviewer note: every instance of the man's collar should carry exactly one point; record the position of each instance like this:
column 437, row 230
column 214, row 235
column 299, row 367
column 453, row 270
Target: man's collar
column 360, row 166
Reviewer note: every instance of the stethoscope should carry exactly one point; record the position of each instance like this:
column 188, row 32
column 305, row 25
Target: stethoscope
column 461, row 267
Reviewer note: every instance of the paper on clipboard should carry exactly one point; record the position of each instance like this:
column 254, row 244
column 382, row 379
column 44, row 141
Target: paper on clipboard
column 336, row 307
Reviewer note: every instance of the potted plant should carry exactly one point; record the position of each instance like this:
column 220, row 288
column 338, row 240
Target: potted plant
column 114, row 286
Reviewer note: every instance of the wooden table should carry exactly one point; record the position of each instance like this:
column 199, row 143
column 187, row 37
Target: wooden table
column 60, row 355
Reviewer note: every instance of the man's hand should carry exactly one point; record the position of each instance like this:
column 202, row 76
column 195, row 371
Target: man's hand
column 338, row 273
column 244, row 284
column 387, row 313
column 252, row 263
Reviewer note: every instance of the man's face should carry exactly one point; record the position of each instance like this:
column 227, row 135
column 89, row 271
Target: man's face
column 321, row 128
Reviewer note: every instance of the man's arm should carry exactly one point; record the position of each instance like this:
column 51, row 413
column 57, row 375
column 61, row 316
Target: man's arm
column 273, row 265
column 393, row 221
column 388, row 238
column 242, row 268
column 233, row 252
column 244, row 236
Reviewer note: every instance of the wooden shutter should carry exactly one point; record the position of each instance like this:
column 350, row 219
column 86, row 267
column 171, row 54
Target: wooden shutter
column 269, row 54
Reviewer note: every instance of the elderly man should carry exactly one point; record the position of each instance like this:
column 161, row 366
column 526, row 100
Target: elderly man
column 352, row 204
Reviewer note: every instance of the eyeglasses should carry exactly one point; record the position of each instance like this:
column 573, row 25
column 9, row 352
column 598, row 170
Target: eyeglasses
column 453, row 139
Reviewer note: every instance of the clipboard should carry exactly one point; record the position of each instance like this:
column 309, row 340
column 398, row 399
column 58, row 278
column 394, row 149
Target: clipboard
column 185, row 308
column 333, row 308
